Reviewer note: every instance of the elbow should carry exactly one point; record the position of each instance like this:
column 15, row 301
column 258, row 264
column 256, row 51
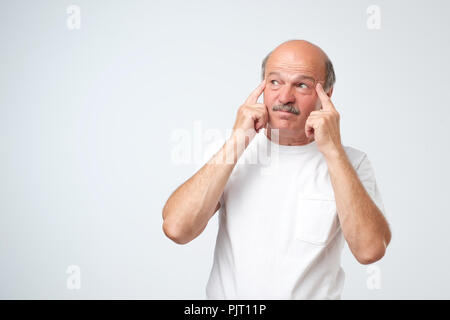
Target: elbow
column 175, row 232
column 374, row 252
column 370, row 256
column 180, row 226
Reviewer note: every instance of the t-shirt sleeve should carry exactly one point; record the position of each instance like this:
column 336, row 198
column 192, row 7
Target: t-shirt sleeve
column 207, row 152
column 367, row 176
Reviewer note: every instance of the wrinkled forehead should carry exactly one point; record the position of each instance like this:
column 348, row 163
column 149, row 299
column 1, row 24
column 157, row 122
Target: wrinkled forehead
column 296, row 62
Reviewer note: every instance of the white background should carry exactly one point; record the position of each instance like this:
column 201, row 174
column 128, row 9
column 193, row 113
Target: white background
column 87, row 116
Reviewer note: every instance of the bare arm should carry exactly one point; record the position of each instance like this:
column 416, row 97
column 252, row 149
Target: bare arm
column 191, row 205
column 364, row 227
column 189, row 208
column 363, row 224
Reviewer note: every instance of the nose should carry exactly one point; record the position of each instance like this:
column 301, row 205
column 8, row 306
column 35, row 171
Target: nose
column 286, row 95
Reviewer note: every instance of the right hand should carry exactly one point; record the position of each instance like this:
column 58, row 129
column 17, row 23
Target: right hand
column 252, row 116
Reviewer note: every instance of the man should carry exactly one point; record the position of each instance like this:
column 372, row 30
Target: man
column 281, row 233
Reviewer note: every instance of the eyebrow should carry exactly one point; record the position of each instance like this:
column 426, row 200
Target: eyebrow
column 299, row 77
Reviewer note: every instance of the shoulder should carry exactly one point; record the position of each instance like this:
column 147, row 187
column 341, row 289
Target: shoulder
column 355, row 155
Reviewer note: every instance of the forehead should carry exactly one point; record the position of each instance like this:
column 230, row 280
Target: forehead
column 293, row 63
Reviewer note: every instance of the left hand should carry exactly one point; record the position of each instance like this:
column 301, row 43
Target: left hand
column 323, row 125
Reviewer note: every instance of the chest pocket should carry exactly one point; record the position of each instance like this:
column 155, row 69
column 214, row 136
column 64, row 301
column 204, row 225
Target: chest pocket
column 317, row 220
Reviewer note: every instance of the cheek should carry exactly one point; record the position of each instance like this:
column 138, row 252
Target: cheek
column 268, row 97
column 307, row 103
column 269, row 100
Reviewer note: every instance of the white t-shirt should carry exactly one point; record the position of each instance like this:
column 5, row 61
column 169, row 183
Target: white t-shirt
column 279, row 235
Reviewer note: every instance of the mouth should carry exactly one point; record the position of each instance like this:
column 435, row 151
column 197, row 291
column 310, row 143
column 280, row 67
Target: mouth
column 285, row 112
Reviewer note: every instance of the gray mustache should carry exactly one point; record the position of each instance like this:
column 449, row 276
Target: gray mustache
column 286, row 107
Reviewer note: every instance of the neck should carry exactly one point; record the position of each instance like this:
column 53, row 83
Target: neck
column 287, row 137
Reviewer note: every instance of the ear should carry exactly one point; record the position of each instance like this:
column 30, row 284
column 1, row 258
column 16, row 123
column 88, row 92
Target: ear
column 330, row 92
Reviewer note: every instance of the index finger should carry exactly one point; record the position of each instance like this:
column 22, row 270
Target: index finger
column 324, row 98
column 253, row 97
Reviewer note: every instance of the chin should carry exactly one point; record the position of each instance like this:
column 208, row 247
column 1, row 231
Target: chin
column 283, row 125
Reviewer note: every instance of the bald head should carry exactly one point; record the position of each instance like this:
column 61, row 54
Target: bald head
column 301, row 55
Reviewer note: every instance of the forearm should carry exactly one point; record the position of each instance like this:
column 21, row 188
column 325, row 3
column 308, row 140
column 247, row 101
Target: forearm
column 363, row 224
column 189, row 208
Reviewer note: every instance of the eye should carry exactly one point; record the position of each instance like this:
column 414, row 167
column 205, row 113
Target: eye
column 274, row 82
column 302, row 85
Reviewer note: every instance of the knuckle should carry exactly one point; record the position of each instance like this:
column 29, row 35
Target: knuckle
column 243, row 108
